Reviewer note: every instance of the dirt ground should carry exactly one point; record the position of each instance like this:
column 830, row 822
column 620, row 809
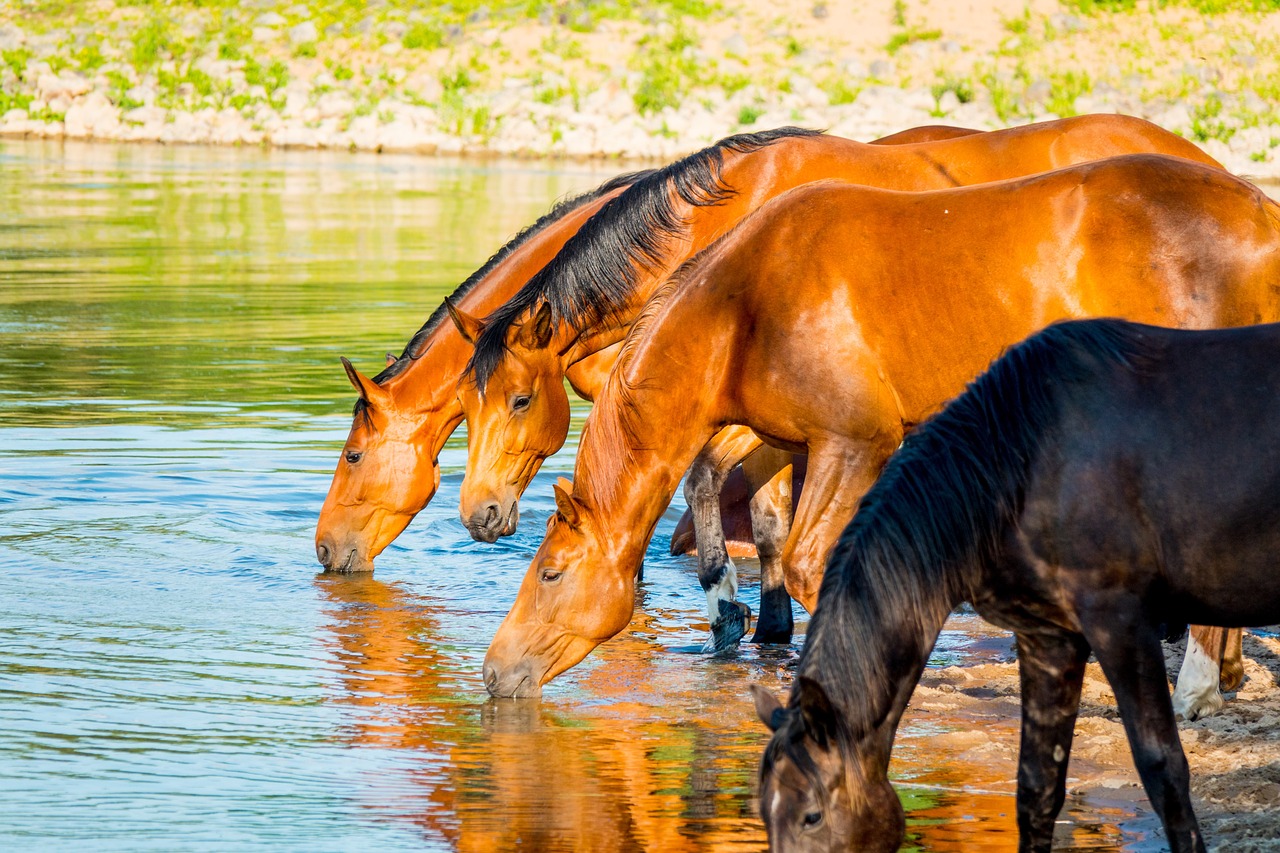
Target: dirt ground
column 1234, row 755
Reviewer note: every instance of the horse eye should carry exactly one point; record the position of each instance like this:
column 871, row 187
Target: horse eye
column 519, row 404
column 812, row 819
column 551, row 575
column 353, row 456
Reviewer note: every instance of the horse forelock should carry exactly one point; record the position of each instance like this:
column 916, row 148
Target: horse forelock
column 939, row 509
column 418, row 343
column 595, row 274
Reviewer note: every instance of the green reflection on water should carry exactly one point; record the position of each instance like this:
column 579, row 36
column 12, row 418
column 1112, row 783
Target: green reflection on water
column 186, row 277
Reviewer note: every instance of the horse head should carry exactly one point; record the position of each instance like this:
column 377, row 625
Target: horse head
column 518, row 419
column 576, row 595
column 816, row 791
column 387, row 473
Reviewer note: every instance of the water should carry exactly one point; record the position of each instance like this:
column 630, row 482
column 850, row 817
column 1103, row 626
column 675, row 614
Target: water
column 175, row 675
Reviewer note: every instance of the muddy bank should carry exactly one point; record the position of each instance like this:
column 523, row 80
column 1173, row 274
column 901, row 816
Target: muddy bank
column 1234, row 755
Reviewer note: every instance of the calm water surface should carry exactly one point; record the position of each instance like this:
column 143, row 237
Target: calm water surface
column 175, row 675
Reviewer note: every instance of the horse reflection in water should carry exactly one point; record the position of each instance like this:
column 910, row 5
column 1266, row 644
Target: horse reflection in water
column 650, row 758
column 491, row 775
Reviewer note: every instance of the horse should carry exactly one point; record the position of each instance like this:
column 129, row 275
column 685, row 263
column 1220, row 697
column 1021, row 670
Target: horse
column 388, row 470
column 1101, row 485
column 583, row 302
column 835, row 331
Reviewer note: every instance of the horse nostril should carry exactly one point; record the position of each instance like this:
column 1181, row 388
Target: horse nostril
column 323, row 555
column 491, row 515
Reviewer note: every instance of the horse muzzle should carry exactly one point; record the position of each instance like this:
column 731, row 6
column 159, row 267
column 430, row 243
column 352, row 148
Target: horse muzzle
column 341, row 559
column 515, row 682
column 489, row 523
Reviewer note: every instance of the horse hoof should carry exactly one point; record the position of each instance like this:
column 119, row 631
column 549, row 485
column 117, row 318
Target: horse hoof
column 730, row 628
column 1200, row 706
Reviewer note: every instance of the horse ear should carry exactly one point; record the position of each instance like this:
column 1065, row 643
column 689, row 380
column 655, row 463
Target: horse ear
column 566, row 506
column 816, row 710
column 371, row 392
column 536, row 332
column 391, row 359
column 469, row 327
column 768, row 708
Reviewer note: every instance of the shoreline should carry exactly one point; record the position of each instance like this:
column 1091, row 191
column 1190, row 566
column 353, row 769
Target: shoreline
column 630, row 82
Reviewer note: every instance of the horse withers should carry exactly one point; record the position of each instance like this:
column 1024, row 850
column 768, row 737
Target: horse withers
column 1103, row 483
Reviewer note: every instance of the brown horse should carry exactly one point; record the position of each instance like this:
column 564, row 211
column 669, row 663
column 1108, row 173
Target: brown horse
column 1101, row 484
column 586, row 299
column 845, row 314
column 388, row 470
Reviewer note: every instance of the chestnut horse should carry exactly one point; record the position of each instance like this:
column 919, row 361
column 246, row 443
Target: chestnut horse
column 388, row 469
column 842, row 316
column 1101, row 485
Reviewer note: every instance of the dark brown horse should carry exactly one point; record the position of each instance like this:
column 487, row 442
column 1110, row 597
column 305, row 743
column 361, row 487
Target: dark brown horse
column 843, row 315
column 1101, row 485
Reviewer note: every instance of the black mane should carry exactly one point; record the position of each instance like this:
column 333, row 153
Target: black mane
column 596, row 272
column 415, row 346
column 418, row 342
column 938, row 511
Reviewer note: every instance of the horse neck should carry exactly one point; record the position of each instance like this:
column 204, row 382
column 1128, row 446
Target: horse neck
column 868, row 645
column 630, row 461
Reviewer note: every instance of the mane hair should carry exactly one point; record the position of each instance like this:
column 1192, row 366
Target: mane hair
column 418, row 343
column 597, row 271
column 612, row 423
column 939, row 510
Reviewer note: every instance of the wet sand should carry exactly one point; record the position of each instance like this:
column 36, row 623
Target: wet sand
column 1234, row 755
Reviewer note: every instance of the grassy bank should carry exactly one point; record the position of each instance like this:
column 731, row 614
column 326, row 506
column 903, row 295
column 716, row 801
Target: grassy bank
column 629, row 78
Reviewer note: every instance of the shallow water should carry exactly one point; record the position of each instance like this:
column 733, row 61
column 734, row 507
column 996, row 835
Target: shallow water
column 173, row 672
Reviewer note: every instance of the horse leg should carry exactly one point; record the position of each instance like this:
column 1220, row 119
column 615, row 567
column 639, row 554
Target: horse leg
column 1232, row 661
column 840, row 473
column 1128, row 649
column 1051, row 666
column 768, row 471
column 716, row 572
column 1203, row 667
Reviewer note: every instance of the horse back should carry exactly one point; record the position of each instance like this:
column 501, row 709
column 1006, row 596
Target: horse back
column 1163, row 480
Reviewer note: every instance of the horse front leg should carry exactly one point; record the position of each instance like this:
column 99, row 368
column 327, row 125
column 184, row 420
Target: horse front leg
column 1203, row 669
column 1128, row 649
column 840, row 471
column 716, row 572
column 1051, row 666
column 768, row 472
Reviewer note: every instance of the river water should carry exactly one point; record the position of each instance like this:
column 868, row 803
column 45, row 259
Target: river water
column 175, row 675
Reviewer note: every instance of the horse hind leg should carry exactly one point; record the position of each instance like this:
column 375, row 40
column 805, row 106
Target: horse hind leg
column 1196, row 694
column 769, row 471
column 1129, row 651
column 716, row 572
column 1232, row 661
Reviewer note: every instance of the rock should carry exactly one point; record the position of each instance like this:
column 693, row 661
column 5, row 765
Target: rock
column 270, row 19
column 68, row 85
column 94, row 116
column 880, row 69
column 303, row 33
column 263, row 34
column 1066, row 23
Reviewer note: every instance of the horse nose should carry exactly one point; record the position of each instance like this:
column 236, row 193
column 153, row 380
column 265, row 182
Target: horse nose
column 485, row 524
column 324, row 554
column 517, row 682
